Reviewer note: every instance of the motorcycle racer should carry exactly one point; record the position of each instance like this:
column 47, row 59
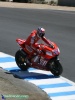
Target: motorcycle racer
column 33, row 38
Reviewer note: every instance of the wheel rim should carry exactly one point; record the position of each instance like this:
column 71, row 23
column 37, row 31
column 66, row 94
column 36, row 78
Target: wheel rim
column 21, row 60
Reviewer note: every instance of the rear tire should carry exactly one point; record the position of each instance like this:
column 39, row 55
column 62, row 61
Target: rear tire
column 20, row 60
column 55, row 67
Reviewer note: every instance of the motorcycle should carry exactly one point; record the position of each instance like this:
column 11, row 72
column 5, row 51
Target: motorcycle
column 47, row 60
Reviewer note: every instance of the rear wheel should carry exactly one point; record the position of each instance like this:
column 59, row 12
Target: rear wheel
column 55, row 67
column 20, row 59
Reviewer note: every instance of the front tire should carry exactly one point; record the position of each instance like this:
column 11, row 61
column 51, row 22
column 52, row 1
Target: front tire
column 20, row 60
column 55, row 67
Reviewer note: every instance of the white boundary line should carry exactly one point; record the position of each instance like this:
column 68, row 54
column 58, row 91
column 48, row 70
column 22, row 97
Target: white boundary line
column 67, row 80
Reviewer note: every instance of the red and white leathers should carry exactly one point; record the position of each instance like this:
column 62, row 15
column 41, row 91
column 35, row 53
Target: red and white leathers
column 30, row 45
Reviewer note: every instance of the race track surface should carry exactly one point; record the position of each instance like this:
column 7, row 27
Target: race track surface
column 59, row 25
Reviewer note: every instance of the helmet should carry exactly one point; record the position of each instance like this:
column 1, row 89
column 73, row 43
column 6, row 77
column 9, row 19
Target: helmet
column 41, row 32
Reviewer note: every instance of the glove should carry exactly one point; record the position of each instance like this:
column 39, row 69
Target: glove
column 51, row 46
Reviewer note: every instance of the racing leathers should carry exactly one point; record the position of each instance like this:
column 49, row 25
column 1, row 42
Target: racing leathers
column 30, row 44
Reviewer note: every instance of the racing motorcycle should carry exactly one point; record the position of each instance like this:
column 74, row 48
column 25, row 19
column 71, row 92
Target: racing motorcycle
column 47, row 60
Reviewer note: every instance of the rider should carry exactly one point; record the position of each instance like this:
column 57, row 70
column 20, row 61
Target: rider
column 30, row 44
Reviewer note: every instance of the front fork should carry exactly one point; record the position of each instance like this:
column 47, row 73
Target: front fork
column 56, row 58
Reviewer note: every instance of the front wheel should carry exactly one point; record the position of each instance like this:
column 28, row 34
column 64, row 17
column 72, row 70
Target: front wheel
column 55, row 67
column 20, row 60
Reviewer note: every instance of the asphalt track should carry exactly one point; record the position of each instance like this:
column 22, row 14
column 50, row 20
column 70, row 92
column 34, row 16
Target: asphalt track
column 59, row 25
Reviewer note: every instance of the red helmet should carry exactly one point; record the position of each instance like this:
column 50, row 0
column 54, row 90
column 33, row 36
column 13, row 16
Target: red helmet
column 41, row 32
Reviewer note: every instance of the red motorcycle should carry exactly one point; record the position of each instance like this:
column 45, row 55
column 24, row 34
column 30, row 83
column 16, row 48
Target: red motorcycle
column 47, row 60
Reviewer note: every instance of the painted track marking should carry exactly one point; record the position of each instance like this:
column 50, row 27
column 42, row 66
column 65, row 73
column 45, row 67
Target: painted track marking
column 58, row 88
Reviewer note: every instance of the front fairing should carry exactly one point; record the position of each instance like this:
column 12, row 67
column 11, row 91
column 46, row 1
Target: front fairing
column 51, row 52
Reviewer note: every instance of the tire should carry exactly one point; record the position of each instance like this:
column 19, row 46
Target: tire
column 20, row 60
column 55, row 67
